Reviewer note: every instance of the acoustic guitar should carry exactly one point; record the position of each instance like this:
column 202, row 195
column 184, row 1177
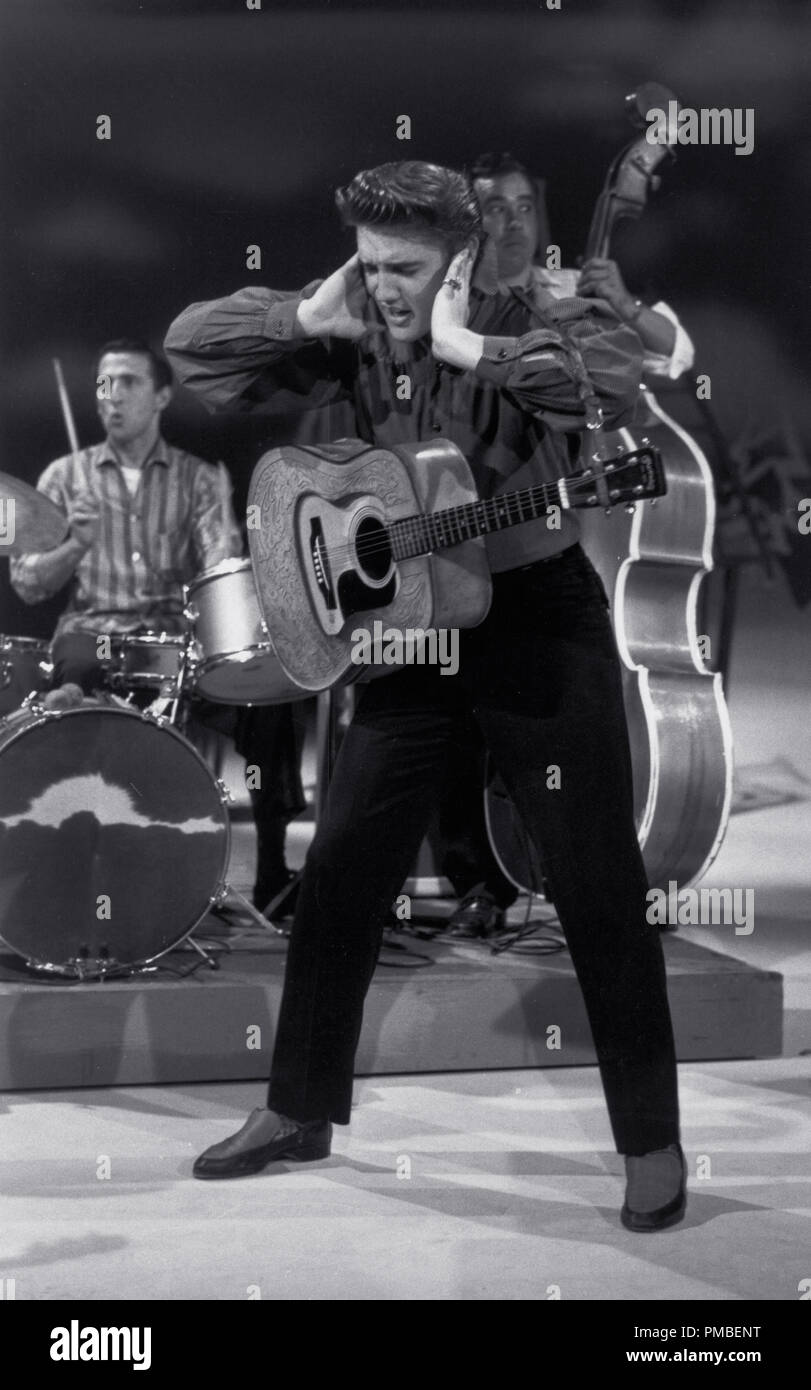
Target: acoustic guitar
column 352, row 534
column 653, row 564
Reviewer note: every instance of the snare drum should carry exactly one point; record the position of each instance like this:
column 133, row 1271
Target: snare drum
column 233, row 660
column 114, row 838
column 25, row 668
column 145, row 661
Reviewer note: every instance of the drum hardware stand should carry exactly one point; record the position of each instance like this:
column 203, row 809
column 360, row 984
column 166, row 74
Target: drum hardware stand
column 220, row 905
column 219, row 902
column 33, row 704
column 227, row 893
column 327, row 739
column 165, row 710
column 280, row 899
column 87, row 969
column 180, row 679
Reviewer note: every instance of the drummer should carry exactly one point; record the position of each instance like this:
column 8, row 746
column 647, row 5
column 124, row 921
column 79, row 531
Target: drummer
column 146, row 517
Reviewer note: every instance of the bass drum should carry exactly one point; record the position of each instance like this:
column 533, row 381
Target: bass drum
column 114, row 838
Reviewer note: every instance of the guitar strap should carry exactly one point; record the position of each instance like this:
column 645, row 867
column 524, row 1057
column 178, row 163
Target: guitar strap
column 558, row 311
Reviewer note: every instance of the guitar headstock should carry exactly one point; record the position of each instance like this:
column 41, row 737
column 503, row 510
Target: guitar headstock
column 627, row 478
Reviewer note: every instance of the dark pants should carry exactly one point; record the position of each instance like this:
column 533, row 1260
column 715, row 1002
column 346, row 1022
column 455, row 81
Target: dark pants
column 465, row 853
column 75, row 661
column 541, row 677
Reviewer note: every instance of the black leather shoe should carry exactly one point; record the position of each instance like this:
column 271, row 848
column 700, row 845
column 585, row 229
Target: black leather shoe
column 478, row 914
column 240, row 1155
column 645, row 1173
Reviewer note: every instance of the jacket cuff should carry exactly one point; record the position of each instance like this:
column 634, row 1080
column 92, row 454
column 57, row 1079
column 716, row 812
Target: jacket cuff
column 496, row 361
column 280, row 321
column 683, row 354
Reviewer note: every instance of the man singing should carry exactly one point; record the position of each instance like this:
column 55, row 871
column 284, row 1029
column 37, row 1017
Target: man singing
column 540, row 675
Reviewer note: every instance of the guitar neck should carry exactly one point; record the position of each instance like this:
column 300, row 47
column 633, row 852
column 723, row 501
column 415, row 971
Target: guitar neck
column 429, row 531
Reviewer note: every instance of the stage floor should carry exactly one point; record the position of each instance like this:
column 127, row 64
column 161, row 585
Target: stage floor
column 494, row 1186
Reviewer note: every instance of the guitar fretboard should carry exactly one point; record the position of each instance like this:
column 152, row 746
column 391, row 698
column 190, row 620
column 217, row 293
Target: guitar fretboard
column 419, row 535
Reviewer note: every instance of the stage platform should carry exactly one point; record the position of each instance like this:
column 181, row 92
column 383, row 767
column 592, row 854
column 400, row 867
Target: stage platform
column 463, row 1009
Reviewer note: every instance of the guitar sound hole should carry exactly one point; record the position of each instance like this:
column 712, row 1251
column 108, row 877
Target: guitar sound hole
column 373, row 548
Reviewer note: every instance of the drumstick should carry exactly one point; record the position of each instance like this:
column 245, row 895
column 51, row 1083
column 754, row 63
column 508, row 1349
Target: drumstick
column 224, row 485
column 67, row 413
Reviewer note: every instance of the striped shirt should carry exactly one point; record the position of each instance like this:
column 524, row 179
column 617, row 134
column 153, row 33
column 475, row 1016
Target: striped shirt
column 147, row 546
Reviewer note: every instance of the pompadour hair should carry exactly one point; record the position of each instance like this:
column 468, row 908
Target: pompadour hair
column 415, row 195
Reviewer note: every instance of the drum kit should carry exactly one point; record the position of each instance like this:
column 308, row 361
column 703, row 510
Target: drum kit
column 114, row 830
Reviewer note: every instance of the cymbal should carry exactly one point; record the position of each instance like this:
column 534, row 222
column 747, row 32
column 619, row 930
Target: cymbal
column 35, row 522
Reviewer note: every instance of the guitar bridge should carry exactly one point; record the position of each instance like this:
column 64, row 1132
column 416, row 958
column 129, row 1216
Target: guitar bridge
column 320, row 563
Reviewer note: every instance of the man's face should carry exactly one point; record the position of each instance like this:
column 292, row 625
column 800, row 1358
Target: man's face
column 402, row 272
column 133, row 404
column 510, row 217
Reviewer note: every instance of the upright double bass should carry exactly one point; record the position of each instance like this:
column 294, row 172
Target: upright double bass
column 653, row 559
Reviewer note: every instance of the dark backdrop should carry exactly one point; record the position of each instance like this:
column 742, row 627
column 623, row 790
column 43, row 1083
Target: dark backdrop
column 231, row 127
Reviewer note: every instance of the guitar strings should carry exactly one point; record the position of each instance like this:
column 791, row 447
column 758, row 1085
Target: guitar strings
column 417, row 528
column 371, row 546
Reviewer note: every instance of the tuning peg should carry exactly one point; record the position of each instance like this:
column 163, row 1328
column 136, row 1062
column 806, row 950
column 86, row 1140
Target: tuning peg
column 630, row 506
column 608, row 511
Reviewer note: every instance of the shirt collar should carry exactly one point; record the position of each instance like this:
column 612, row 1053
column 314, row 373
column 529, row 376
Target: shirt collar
column 159, row 454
